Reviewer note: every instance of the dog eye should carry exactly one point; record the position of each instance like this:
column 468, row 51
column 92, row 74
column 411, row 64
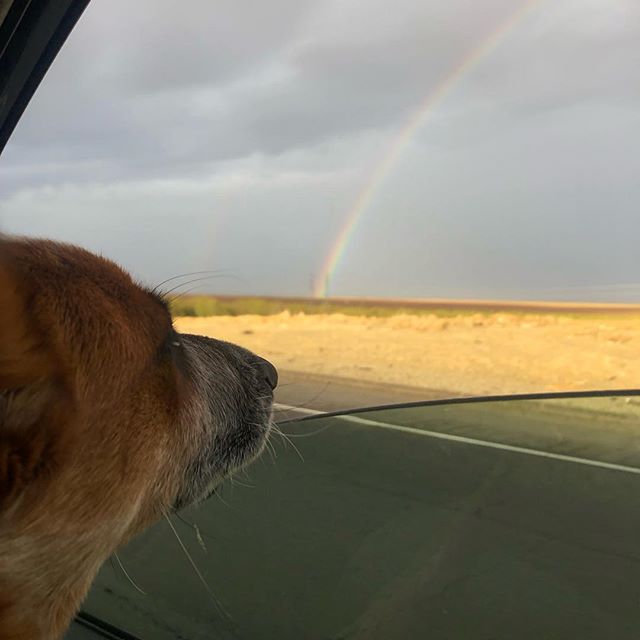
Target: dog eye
column 169, row 344
column 176, row 353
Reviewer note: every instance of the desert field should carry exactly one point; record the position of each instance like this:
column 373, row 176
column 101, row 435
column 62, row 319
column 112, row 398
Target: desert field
column 466, row 353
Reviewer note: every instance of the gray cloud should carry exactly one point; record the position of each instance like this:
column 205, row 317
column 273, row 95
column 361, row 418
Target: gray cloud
column 158, row 128
column 163, row 88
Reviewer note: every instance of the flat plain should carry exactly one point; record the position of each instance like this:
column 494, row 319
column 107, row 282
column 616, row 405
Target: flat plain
column 464, row 350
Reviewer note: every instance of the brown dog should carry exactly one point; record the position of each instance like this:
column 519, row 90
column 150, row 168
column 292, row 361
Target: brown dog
column 109, row 419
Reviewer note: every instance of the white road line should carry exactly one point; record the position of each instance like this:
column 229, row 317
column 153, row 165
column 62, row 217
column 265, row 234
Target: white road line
column 288, row 407
column 463, row 439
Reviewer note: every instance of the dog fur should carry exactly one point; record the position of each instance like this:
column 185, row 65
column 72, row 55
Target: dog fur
column 109, row 419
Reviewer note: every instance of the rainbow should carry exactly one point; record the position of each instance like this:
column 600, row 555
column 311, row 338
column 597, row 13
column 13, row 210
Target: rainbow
column 435, row 96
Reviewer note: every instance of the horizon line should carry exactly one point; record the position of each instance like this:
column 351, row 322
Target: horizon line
column 430, row 301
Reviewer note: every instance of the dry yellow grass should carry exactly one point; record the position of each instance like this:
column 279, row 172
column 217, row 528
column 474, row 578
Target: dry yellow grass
column 471, row 353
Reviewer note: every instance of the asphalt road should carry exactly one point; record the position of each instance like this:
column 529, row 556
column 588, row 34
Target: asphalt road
column 490, row 521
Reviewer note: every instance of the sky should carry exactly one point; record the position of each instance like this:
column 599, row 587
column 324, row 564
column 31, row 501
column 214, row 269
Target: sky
column 238, row 137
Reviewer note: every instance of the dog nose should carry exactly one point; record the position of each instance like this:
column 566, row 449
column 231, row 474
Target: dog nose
column 269, row 372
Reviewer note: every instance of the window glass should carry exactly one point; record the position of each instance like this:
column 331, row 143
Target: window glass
column 387, row 523
column 390, row 201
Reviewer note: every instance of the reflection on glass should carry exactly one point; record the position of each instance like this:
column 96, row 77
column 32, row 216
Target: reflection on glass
column 493, row 519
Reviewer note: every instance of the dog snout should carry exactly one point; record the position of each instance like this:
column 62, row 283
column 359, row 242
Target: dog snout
column 268, row 372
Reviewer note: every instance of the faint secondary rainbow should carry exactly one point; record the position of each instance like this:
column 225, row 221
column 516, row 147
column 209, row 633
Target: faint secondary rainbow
column 408, row 131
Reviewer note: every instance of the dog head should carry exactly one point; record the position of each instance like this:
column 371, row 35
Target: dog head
column 108, row 420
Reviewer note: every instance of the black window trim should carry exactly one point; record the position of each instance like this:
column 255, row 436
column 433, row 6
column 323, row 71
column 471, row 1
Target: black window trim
column 102, row 628
column 31, row 35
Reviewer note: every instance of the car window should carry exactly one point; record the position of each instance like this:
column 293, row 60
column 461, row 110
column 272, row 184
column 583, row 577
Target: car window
column 413, row 203
column 509, row 518
column 388, row 203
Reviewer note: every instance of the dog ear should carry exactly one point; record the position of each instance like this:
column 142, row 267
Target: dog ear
column 33, row 403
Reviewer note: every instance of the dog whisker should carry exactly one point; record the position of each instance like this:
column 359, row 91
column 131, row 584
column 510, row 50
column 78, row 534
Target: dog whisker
column 182, row 294
column 199, row 538
column 197, row 571
column 218, row 492
column 308, row 435
column 286, row 438
column 196, row 530
column 129, row 578
column 305, row 404
column 213, row 272
column 271, row 449
column 234, row 480
column 194, row 280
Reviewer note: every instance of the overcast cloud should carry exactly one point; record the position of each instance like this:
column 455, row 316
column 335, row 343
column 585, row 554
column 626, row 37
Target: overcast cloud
column 238, row 135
